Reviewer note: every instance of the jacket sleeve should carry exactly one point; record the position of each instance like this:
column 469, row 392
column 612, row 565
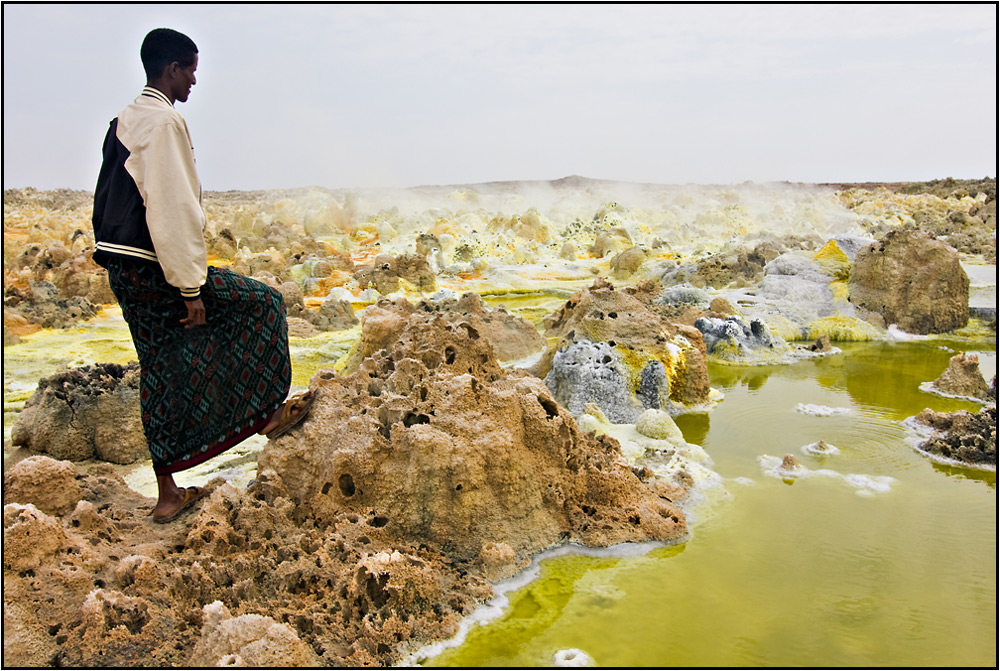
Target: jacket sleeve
column 163, row 168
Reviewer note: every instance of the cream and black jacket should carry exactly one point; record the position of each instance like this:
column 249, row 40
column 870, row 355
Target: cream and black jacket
column 147, row 204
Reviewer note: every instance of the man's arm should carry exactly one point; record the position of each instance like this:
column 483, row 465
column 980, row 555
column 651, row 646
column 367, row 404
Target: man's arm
column 164, row 171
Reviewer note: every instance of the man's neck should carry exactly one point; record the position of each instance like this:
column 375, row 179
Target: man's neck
column 165, row 90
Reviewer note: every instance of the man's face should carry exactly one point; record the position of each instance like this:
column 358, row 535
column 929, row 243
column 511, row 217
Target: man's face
column 183, row 79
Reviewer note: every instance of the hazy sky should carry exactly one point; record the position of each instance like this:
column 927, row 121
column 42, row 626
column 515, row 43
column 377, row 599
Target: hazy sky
column 380, row 95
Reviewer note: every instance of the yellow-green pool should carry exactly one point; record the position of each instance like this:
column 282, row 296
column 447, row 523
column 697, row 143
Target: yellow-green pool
column 840, row 567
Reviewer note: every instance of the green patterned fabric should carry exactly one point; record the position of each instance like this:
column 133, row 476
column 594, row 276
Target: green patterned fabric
column 206, row 388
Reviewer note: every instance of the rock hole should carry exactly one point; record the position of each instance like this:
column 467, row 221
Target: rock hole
column 346, row 484
column 379, row 521
column 449, row 355
column 634, row 519
column 613, row 315
column 550, row 407
column 411, row 418
column 458, row 487
column 327, row 487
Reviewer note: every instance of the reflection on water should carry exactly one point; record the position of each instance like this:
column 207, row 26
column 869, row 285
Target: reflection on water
column 808, row 571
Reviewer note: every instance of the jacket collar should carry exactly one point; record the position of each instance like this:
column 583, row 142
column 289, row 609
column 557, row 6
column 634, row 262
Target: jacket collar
column 150, row 92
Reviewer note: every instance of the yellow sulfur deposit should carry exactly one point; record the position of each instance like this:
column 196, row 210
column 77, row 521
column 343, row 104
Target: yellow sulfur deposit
column 833, row 260
column 843, row 329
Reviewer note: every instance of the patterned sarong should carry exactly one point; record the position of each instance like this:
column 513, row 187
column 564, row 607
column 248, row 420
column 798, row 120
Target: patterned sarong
column 207, row 388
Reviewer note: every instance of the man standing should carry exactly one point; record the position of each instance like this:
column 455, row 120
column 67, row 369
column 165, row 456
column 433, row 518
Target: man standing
column 212, row 345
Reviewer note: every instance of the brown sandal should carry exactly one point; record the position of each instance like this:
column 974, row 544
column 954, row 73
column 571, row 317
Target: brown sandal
column 191, row 495
column 300, row 402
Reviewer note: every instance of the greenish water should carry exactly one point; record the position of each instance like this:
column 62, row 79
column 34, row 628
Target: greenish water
column 815, row 571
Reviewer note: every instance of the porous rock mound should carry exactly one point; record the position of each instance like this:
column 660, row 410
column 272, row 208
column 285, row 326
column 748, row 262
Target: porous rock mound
column 247, row 577
column 611, row 348
column 85, row 413
column 48, row 484
column 512, row 337
column 962, row 436
column 248, row 640
column 437, row 444
column 963, row 378
column 386, row 272
column 912, row 280
column 385, row 322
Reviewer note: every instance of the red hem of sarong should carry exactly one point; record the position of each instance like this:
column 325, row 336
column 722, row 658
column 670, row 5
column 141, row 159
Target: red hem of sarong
column 213, row 452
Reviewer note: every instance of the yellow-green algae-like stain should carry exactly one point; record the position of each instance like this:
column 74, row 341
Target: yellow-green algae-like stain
column 824, row 571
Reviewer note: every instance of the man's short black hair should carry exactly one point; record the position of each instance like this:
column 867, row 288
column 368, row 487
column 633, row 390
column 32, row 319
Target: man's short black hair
column 162, row 47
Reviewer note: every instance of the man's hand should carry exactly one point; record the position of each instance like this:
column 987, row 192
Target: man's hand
column 196, row 313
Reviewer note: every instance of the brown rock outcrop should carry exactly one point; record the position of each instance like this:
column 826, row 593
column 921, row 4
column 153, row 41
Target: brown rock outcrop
column 85, row 413
column 248, row 640
column 962, row 436
column 626, row 263
column 103, row 586
column 386, row 271
column 48, row 484
column 963, row 378
column 909, row 279
column 42, row 305
column 511, row 337
column 433, row 442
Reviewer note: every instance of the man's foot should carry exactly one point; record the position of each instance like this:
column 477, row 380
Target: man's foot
column 170, row 508
column 289, row 414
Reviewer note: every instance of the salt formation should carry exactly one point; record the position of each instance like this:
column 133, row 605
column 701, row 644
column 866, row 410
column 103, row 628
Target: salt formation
column 610, row 348
column 910, row 279
column 820, row 410
column 571, row 657
column 821, row 449
column 431, row 440
column 84, row 413
column 790, row 469
column 655, row 446
column 959, row 437
column 964, row 379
